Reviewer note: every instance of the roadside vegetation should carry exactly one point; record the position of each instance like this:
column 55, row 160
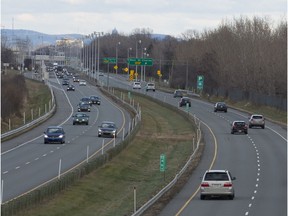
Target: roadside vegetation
column 20, row 95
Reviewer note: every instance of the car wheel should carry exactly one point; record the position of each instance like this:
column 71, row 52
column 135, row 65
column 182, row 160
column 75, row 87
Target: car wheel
column 263, row 126
column 215, row 110
column 45, row 142
column 202, row 197
column 86, row 123
column 246, row 132
column 250, row 126
column 232, row 132
column 73, row 123
column 231, row 197
column 225, row 111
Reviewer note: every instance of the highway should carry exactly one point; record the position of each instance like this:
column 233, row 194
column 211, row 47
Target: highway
column 258, row 160
column 28, row 163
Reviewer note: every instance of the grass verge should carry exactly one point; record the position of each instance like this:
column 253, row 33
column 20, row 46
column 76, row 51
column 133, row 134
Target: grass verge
column 38, row 98
column 109, row 189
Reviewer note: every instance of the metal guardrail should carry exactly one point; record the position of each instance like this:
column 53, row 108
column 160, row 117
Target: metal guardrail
column 34, row 122
column 149, row 203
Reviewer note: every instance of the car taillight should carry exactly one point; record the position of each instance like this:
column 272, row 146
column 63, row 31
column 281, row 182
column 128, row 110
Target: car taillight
column 204, row 184
column 227, row 184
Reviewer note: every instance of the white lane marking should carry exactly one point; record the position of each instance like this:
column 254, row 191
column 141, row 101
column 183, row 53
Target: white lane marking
column 5, row 172
column 27, row 163
column 36, row 158
column 17, row 167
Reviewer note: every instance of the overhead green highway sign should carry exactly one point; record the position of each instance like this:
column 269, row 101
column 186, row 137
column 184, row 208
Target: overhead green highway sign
column 109, row 60
column 140, row 61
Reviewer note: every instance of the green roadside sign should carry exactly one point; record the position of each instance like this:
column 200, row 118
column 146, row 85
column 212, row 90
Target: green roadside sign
column 109, row 60
column 200, row 82
column 140, row 61
column 162, row 163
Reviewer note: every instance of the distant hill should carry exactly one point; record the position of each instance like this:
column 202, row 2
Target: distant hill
column 38, row 38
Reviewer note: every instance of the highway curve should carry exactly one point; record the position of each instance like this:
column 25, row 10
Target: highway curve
column 28, row 163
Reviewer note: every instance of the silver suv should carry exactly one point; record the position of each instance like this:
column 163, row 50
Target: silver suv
column 217, row 183
column 150, row 86
column 256, row 120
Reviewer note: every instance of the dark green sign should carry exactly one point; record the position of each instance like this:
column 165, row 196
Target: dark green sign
column 109, row 60
column 140, row 61
column 162, row 163
column 200, row 82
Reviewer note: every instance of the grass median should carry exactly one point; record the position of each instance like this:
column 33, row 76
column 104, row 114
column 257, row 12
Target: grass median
column 109, row 190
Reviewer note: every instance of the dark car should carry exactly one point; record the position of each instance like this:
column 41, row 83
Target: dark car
column 178, row 93
column 65, row 82
column 107, row 128
column 84, row 107
column 70, row 88
column 80, row 118
column 183, row 101
column 220, row 106
column 87, row 100
column 54, row 134
column 240, row 127
column 76, row 79
column 95, row 100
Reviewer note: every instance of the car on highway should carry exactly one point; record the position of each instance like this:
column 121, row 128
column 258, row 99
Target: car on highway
column 150, row 86
column 76, row 79
column 184, row 101
column 257, row 120
column 107, row 128
column 87, row 100
column 82, row 83
column 178, row 93
column 80, row 118
column 239, row 127
column 220, row 106
column 95, row 99
column 54, row 134
column 217, row 183
column 70, row 87
column 65, row 82
column 84, row 107
column 136, row 85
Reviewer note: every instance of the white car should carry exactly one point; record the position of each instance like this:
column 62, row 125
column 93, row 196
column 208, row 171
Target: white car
column 82, row 83
column 150, row 86
column 216, row 183
column 136, row 85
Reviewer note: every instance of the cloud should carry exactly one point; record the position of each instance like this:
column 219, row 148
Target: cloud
column 25, row 17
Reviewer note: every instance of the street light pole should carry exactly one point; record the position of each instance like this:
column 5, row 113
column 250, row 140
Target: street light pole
column 137, row 55
column 118, row 44
column 128, row 56
column 98, row 34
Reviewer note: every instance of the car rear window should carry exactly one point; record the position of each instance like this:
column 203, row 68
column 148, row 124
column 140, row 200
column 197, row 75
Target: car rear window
column 257, row 117
column 216, row 176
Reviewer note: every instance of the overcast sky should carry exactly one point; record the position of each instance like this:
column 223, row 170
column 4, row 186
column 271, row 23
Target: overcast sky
column 171, row 17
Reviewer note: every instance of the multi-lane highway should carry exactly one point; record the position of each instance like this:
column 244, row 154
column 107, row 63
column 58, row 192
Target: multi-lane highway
column 258, row 160
column 27, row 162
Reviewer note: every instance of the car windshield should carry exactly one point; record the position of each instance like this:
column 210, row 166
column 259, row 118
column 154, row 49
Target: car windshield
column 54, row 130
column 108, row 125
column 216, row 176
column 80, row 115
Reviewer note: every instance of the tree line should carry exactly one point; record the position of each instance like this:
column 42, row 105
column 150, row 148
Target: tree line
column 243, row 54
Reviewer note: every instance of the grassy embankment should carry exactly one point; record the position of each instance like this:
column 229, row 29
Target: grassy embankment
column 109, row 190
column 38, row 96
